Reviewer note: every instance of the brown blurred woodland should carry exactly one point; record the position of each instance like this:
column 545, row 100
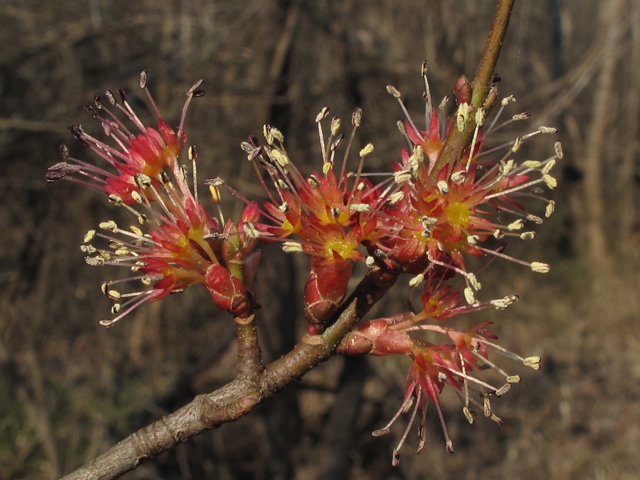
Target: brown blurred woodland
column 69, row 388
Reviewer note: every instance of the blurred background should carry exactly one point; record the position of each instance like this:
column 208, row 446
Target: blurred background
column 70, row 389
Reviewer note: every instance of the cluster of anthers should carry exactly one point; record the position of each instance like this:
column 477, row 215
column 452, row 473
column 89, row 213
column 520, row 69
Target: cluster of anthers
column 422, row 218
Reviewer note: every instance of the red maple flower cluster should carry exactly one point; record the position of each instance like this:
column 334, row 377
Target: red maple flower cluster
column 425, row 218
column 184, row 244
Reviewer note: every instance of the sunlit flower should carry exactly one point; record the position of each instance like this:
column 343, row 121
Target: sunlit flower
column 326, row 215
column 183, row 244
column 436, row 366
column 443, row 212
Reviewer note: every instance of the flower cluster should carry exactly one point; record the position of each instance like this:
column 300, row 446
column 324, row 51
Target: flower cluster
column 442, row 202
column 328, row 215
column 436, row 365
column 184, row 244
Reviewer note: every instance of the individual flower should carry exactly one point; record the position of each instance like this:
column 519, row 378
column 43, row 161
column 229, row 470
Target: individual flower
column 435, row 365
column 148, row 152
column 183, row 244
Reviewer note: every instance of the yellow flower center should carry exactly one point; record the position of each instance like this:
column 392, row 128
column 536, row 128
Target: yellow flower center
column 457, row 213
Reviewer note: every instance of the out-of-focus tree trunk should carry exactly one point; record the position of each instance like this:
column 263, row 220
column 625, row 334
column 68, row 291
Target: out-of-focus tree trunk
column 596, row 158
column 627, row 211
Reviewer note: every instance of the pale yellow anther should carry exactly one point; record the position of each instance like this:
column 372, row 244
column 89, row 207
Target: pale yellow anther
column 266, row 131
column 502, row 390
column 370, row 261
column 540, row 267
column 313, row 181
column 88, row 249
column 463, row 114
column 215, row 194
column 517, row 225
column 122, row 251
column 443, row 186
column 468, row 414
column 147, row 280
column 550, row 208
column 114, row 294
column 292, row 247
column 498, row 234
column 326, row 167
column 89, row 236
column 110, row 226
column 517, row 145
column 395, row 198
column 480, row 117
column 279, row 157
column 136, row 230
column 547, row 168
column 104, row 255
column 507, row 167
column 251, row 231
column 513, row 379
column 393, row 91
column 322, row 115
column 507, row 100
column 284, row 208
column 116, row 200
column 428, row 221
column 531, row 164
column 550, row 181
column 548, row 130
column 533, row 218
column 277, row 134
column 142, row 219
column 502, row 303
column 469, row 296
column 417, row 280
column 533, row 362
column 528, row 235
column 402, row 177
column 557, row 147
column 472, row 239
column 361, row 186
column 335, row 125
column 367, row 150
column 474, row 282
column 458, row 177
column 136, row 196
column 521, row 116
column 359, row 207
column 418, row 152
column 115, row 308
column 142, row 181
column 282, row 185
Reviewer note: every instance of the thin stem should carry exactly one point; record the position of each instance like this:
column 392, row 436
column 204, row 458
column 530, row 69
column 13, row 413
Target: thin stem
column 480, row 87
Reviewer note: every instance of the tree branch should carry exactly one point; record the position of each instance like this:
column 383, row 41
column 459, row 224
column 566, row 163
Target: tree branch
column 240, row 396
column 250, row 365
column 457, row 140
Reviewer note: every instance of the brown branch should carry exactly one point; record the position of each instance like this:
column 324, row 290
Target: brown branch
column 457, row 140
column 250, row 365
column 239, row 397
